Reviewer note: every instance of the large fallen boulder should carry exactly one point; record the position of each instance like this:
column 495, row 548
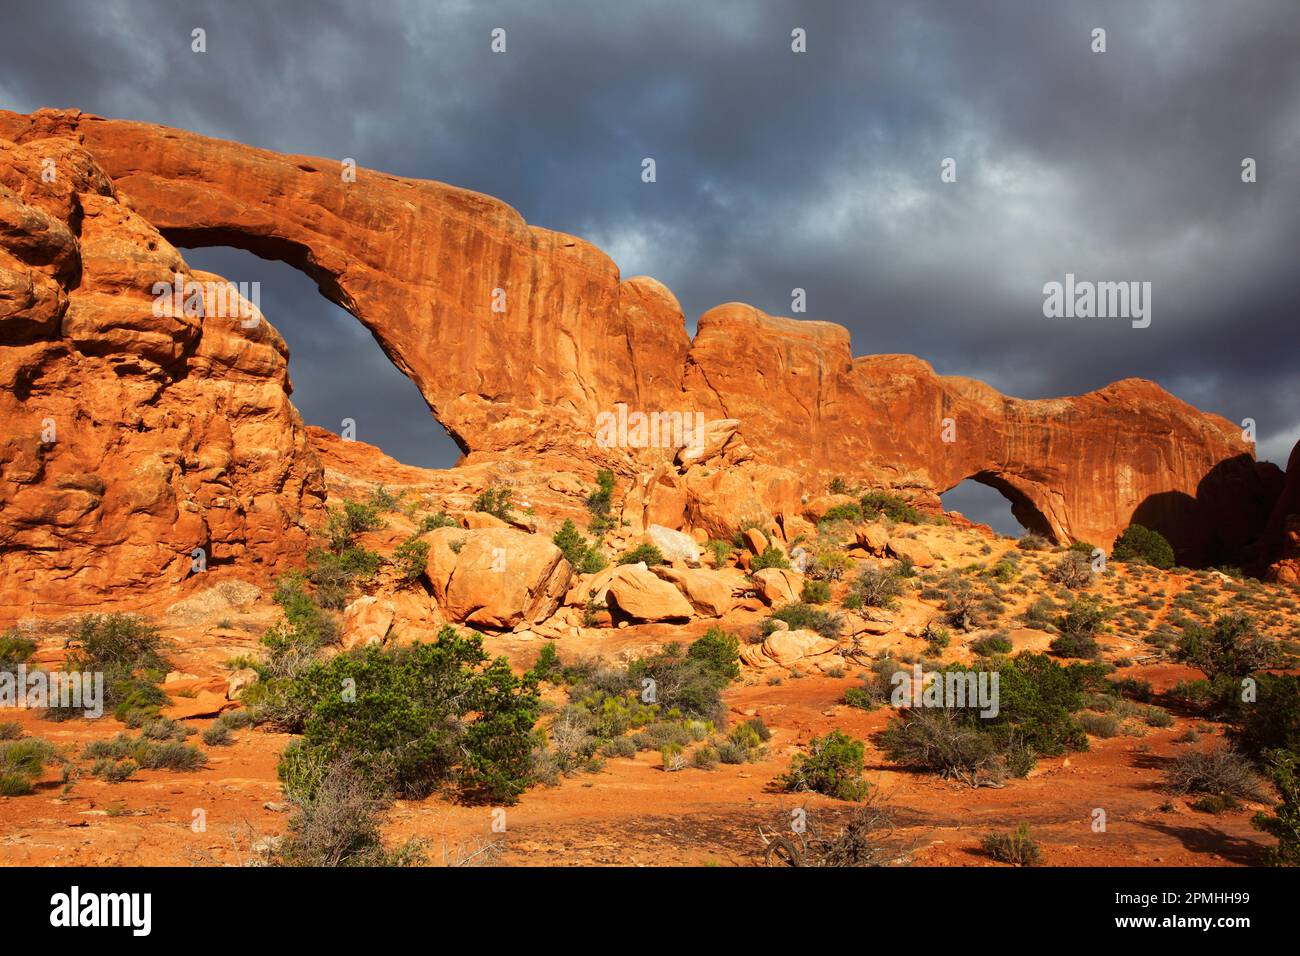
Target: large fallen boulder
column 367, row 620
column 785, row 647
column 909, row 549
column 639, row 594
column 777, row 585
column 495, row 577
column 709, row 592
column 673, row 545
column 872, row 538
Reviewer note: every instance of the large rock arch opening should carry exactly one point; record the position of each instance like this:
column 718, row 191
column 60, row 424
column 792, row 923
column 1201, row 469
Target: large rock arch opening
column 1022, row 509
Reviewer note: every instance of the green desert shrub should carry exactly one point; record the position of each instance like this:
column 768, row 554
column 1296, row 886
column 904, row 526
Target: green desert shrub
column 718, row 651
column 799, row 615
column 721, row 550
column 1272, row 722
column 991, row 644
column 333, row 575
column 342, row 525
column 1140, row 545
column 427, row 715
column 496, row 502
column 437, row 520
column 338, row 811
column 1230, row 647
column 690, row 684
column 833, row 766
column 600, row 502
column 584, row 556
column 15, row 650
column 894, row 507
column 1079, row 626
column 1017, row 847
column 646, row 552
column 410, row 558
column 1283, row 769
column 128, row 651
column 815, row 592
column 21, row 764
column 1073, row 571
column 844, row 512
column 770, row 558
column 1033, row 542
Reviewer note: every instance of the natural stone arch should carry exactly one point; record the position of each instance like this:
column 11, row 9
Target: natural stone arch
column 420, row 263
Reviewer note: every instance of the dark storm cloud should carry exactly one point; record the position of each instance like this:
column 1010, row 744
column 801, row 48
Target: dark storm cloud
column 778, row 170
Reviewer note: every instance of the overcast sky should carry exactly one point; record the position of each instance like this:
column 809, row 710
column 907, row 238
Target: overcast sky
column 776, row 170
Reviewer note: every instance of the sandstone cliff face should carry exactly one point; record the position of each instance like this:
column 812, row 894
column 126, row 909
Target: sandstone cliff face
column 130, row 439
column 518, row 337
column 1282, row 538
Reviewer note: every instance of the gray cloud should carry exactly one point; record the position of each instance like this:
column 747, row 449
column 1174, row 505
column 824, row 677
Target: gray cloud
column 778, row 170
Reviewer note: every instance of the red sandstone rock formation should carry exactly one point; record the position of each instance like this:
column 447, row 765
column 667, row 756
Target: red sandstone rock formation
column 129, row 439
column 181, row 433
column 1282, row 537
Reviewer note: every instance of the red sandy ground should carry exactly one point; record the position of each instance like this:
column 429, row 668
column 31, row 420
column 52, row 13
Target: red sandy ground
column 632, row 812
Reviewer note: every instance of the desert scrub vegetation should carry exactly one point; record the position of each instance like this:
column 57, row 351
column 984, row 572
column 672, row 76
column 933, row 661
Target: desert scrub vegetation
column 343, row 524
column 127, row 650
column 338, row 807
column 877, row 587
column 439, row 519
column 1283, row 768
column 966, row 608
column 645, row 553
column 815, row 592
column 1016, row 847
column 1038, row 698
column 219, row 732
column 15, row 649
column 991, row 645
column 800, row 615
column 832, row 766
column 1079, row 626
column 289, row 648
column 409, row 559
column 600, row 501
column 1221, row 772
column 429, row 715
column 829, row 563
column 334, row 574
column 719, row 550
column 1033, row 542
column 118, row 758
column 877, row 684
column 335, row 568
column 1073, row 571
column 1141, row 545
column 772, row 557
column 873, row 504
column 866, row 838
column 495, row 501
column 22, row 762
column 664, row 702
column 1229, row 648
column 584, row 556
